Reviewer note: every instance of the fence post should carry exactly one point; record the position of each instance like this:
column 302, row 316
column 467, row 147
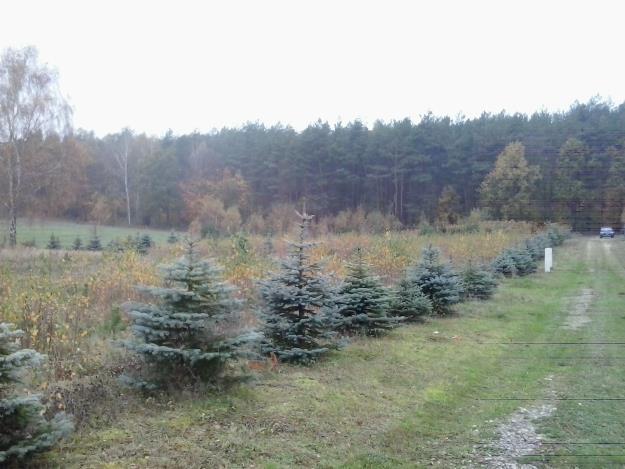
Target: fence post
column 548, row 259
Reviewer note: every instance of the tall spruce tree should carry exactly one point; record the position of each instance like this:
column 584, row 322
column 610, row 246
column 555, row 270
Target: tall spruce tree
column 192, row 330
column 437, row 280
column 299, row 319
column 364, row 302
column 23, row 429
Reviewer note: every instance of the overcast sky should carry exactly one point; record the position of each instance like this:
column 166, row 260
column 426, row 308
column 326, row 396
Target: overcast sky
column 187, row 66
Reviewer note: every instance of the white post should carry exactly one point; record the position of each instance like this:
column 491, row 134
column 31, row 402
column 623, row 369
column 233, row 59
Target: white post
column 548, row 259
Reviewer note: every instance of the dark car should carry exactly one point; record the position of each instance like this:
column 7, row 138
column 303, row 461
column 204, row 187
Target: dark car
column 606, row 232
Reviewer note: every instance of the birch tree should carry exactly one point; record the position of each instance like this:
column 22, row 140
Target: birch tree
column 121, row 153
column 31, row 105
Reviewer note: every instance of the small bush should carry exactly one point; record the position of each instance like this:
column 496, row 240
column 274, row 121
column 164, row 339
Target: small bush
column 77, row 244
column 30, row 244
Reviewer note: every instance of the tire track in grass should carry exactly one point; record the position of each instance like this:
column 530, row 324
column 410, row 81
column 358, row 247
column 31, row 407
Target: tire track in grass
column 518, row 435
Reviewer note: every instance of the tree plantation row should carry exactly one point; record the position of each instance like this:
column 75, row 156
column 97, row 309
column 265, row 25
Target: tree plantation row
column 566, row 167
column 189, row 331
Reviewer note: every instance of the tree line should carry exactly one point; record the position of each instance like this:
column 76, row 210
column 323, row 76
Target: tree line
column 566, row 166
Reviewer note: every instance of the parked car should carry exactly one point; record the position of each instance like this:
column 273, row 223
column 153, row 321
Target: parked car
column 606, row 232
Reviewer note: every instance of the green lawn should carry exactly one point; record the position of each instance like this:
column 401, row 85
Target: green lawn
column 40, row 231
column 419, row 397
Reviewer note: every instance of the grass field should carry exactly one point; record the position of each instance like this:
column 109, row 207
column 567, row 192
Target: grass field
column 431, row 394
column 39, row 231
column 427, row 394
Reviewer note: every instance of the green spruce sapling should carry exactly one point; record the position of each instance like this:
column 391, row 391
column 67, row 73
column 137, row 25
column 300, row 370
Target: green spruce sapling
column 54, row 243
column 172, row 238
column 192, row 330
column 437, row 280
column 24, row 430
column 94, row 243
column 77, row 244
column 364, row 302
column 478, row 282
column 410, row 302
column 298, row 315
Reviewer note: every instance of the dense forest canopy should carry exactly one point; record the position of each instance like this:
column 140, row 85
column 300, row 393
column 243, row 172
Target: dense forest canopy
column 570, row 167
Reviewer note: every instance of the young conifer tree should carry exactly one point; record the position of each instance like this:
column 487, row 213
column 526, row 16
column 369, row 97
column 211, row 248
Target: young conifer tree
column 410, row 302
column 23, row 429
column 94, row 243
column 523, row 261
column 478, row 282
column 505, row 264
column 77, row 244
column 298, row 314
column 364, row 302
column 172, row 238
column 437, row 280
column 192, row 330
column 54, row 242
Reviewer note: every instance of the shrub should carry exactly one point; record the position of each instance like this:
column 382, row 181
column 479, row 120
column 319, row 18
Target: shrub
column 377, row 222
column 23, row 429
column 478, row 282
column 256, row 224
column 363, row 301
column 437, row 280
column 115, row 245
column 30, row 244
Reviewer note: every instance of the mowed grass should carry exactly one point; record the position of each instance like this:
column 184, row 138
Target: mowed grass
column 414, row 398
column 40, row 231
column 588, row 426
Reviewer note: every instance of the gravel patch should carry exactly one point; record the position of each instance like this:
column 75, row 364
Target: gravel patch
column 578, row 312
column 518, row 437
